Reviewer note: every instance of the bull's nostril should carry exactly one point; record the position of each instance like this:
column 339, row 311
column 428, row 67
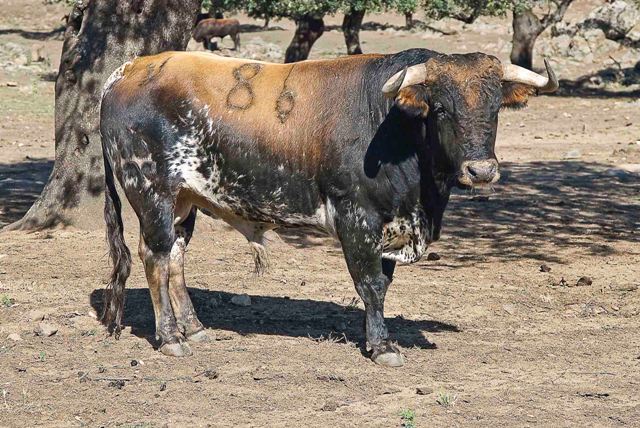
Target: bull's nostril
column 480, row 171
column 472, row 171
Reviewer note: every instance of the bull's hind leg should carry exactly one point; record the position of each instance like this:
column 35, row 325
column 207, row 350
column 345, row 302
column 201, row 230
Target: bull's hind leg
column 372, row 276
column 186, row 317
column 156, row 243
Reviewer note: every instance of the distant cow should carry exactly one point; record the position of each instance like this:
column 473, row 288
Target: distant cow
column 209, row 28
column 364, row 148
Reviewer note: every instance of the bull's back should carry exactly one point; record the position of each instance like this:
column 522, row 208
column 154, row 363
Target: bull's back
column 290, row 110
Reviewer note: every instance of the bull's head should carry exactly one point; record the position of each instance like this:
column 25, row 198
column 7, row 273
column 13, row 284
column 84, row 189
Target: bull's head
column 460, row 96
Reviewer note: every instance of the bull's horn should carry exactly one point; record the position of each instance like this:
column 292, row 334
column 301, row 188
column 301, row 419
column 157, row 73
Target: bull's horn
column 514, row 73
column 407, row 77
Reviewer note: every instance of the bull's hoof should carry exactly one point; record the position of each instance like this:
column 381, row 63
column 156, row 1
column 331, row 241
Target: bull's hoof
column 200, row 336
column 176, row 349
column 387, row 356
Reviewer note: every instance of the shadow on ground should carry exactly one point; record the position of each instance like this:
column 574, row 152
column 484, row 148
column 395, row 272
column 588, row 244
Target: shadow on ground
column 275, row 316
column 610, row 82
column 567, row 204
column 35, row 35
column 564, row 203
column 20, row 185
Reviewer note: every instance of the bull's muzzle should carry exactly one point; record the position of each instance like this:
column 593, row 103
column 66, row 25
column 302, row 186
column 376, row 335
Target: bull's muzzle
column 473, row 173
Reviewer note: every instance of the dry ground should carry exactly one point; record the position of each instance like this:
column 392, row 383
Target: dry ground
column 483, row 329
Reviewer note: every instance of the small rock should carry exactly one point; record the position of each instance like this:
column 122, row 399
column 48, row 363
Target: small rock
column 210, row 374
column 432, row 257
column 45, row 330
column 573, row 154
column 545, row 268
column 119, row 384
column 241, row 300
column 163, row 386
column 37, row 315
column 11, row 84
column 91, row 313
column 134, row 363
column 15, row 337
column 583, row 281
column 509, row 308
column 424, row 390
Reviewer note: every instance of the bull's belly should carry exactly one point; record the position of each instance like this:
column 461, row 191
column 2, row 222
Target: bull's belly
column 274, row 206
column 404, row 240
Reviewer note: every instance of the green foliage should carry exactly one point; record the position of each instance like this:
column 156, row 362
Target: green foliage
column 406, row 6
column 446, row 399
column 6, row 301
column 408, row 418
column 439, row 9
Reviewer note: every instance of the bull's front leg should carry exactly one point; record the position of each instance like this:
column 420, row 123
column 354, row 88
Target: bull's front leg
column 360, row 235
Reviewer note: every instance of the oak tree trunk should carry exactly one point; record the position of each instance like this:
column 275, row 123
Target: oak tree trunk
column 351, row 28
column 309, row 28
column 526, row 29
column 408, row 20
column 100, row 36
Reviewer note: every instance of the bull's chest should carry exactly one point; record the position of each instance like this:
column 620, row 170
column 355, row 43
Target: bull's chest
column 406, row 238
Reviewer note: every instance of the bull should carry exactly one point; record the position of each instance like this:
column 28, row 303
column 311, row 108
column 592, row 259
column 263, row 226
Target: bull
column 207, row 29
column 366, row 149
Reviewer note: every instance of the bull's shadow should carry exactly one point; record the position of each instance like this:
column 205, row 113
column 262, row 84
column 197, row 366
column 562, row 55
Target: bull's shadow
column 275, row 316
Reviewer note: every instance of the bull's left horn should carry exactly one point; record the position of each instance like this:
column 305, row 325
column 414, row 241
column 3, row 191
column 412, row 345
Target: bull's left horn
column 514, row 73
column 409, row 76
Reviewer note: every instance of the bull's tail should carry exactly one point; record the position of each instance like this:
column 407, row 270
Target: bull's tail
column 120, row 256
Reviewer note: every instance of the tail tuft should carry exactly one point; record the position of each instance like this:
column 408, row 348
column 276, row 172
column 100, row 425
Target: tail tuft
column 113, row 309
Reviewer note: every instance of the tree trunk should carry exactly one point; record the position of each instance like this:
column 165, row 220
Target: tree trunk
column 408, row 20
column 100, row 36
column 266, row 22
column 526, row 29
column 351, row 29
column 309, row 28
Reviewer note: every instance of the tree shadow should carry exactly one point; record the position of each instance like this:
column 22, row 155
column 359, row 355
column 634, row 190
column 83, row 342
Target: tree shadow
column 252, row 28
column 20, row 185
column 280, row 316
column 35, row 35
column 598, row 84
column 567, row 204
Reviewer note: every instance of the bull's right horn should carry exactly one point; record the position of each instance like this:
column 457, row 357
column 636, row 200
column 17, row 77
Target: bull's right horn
column 514, row 73
column 409, row 76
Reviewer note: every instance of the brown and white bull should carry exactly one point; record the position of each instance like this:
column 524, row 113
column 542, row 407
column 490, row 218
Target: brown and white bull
column 364, row 148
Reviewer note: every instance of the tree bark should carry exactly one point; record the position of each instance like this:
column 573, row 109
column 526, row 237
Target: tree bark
column 309, row 28
column 408, row 20
column 100, row 36
column 351, row 28
column 526, row 29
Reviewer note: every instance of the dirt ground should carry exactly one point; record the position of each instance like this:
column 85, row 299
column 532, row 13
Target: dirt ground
column 489, row 339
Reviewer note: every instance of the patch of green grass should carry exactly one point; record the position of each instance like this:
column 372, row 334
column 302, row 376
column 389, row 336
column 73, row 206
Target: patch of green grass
column 408, row 418
column 6, row 301
column 446, row 399
column 42, row 356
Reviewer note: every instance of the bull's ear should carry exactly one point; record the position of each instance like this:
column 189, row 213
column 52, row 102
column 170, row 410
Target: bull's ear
column 413, row 101
column 516, row 95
